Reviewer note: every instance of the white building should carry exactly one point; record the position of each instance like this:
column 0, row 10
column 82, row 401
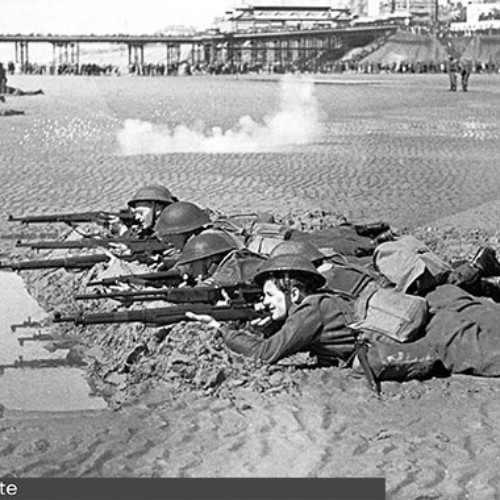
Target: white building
column 479, row 16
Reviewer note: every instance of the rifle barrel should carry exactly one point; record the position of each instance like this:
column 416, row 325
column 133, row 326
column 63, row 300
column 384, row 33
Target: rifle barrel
column 74, row 218
column 150, row 279
column 163, row 315
column 80, row 262
column 150, row 245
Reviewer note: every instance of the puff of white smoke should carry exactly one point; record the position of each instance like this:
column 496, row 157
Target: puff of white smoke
column 295, row 123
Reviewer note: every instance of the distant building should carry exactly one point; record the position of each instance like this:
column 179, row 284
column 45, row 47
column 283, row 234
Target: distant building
column 425, row 10
column 479, row 16
column 285, row 15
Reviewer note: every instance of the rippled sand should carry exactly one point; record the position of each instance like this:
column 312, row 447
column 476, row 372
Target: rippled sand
column 400, row 148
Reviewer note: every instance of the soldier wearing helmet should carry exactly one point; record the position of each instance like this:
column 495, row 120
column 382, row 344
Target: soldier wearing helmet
column 461, row 336
column 217, row 258
column 203, row 253
column 342, row 274
column 146, row 205
column 181, row 221
column 308, row 317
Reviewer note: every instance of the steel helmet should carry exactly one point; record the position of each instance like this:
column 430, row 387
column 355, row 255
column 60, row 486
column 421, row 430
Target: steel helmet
column 179, row 218
column 293, row 247
column 289, row 264
column 206, row 245
column 156, row 193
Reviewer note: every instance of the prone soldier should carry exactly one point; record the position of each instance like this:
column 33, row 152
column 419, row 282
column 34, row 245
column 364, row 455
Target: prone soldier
column 461, row 336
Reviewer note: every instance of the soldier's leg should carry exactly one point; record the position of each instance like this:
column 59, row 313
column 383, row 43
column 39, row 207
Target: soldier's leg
column 465, row 80
column 453, row 81
column 464, row 332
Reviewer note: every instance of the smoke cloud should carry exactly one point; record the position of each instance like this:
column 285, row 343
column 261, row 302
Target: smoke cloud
column 295, row 123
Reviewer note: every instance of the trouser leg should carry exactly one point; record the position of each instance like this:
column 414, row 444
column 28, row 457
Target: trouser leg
column 465, row 80
column 390, row 360
column 453, row 80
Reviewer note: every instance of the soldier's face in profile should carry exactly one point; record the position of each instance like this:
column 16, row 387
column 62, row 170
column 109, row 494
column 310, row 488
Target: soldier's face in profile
column 274, row 300
column 143, row 212
column 176, row 240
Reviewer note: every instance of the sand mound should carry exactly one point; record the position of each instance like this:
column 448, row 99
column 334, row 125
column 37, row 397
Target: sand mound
column 410, row 48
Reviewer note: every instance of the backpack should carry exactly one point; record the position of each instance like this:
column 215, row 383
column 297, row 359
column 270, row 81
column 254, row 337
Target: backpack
column 389, row 312
column 267, row 235
column 239, row 266
column 410, row 265
column 344, row 276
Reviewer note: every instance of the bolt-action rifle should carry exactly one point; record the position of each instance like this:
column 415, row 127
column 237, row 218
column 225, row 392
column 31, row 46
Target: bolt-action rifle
column 203, row 294
column 162, row 316
column 151, row 245
column 38, row 363
column 27, row 323
column 78, row 262
column 156, row 279
column 40, row 337
column 100, row 217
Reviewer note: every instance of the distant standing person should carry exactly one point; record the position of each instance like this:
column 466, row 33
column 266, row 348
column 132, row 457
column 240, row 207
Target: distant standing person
column 3, row 79
column 465, row 71
column 452, row 72
column 457, row 67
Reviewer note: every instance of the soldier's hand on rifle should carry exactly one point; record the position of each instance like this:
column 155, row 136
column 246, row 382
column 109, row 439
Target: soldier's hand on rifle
column 226, row 299
column 260, row 322
column 203, row 318
column 119, row 248
column 114, row 224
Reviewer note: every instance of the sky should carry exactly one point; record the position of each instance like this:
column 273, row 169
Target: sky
column 106, row 16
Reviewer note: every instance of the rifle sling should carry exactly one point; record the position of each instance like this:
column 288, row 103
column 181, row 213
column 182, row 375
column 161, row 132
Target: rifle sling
column 361, row 348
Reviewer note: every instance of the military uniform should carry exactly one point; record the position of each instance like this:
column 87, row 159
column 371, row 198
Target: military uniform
column 452, row 73
column 462, row 68
column 317, row 325
column 461, row 337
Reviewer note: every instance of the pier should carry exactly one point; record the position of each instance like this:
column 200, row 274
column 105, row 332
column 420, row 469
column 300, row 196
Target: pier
column 309, row 49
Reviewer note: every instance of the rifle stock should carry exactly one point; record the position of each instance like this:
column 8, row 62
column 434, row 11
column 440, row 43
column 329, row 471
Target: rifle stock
column 163, row 315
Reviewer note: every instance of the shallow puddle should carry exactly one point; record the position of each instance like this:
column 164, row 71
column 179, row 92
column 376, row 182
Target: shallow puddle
column 32, row 378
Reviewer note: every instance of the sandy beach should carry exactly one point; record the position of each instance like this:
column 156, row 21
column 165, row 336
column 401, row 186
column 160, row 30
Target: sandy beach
column 399, row 148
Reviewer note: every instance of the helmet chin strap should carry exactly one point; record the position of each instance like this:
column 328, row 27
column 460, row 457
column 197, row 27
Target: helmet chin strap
column 154, row 216
column 287, row 292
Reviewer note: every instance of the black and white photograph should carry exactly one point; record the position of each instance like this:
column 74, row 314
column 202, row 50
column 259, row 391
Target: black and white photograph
column 251, row 239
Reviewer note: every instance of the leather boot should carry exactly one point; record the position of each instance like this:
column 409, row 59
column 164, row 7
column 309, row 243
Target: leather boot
column 490, row 287
column 486, row 261
column 372, row 229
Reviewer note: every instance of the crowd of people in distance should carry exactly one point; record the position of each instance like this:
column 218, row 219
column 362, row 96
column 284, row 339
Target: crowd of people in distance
column 226, row 68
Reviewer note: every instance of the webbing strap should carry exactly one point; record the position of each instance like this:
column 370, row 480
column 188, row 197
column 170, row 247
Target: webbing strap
column 361, row 348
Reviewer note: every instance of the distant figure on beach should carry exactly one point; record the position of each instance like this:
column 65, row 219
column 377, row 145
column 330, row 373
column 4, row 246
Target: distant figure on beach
column 465, row 71
column 457, row 67
column 18, row 92
column 3, row 79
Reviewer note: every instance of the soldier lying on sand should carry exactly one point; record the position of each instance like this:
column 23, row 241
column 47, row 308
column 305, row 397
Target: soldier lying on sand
column 460, row 336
